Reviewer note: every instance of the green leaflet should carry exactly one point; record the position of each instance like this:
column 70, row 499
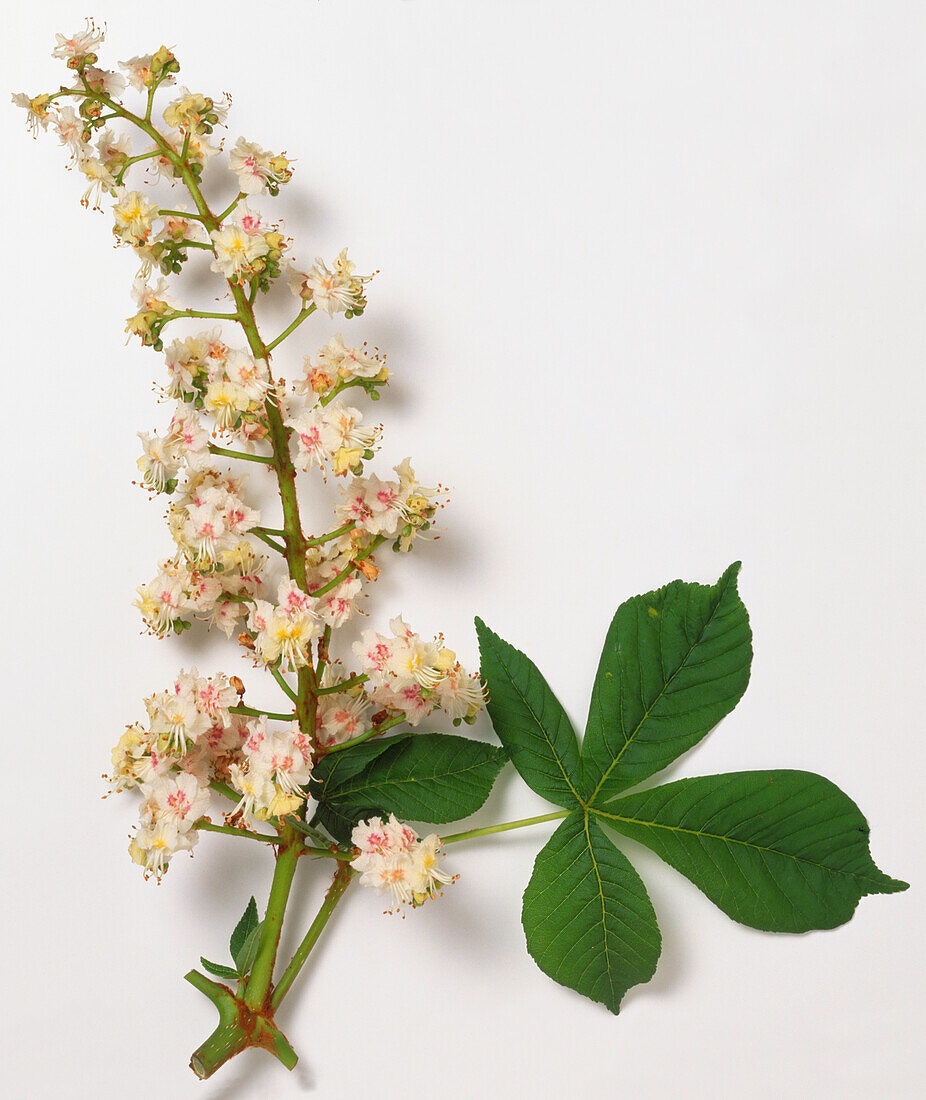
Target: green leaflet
column 587, row 916
column 219, row 970
column 430, row 777
column 337, row 769
column 529, row 720
column 242, row 946
column 244, row 927
column 784, row 851
column 248, row 954
column 675, row 661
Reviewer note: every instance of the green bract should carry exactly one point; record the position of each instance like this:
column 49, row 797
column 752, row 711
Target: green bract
column 783, row 851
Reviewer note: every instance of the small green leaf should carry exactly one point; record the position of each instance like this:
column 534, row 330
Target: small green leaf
column 243, row 929
column 587, row 916
column 249, row 950
column 674, row 662
column 529, row 720
column 432, row 777
column 784, row 851
column 218, row 970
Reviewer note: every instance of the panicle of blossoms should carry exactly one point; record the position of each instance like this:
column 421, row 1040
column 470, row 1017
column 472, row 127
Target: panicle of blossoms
column 215, row 576
column 412, row 676
column 275, row 766
column 394, row 860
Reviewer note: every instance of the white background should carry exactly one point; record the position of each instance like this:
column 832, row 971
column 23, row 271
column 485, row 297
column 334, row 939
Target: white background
column 652, row 287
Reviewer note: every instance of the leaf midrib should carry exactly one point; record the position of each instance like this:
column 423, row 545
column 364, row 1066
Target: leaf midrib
column 540, row 726
column 342, row 793
column 604, row 915
column 633, row 733
column 732, row 840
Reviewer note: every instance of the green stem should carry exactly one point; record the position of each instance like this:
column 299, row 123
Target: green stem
column 272, row 543
column 228, row 209
column 178, row 313
column 331, row 535
column 305, row 312
column 224, row 789
column 254, row 712
column 339, row 884
column 258, row 983
column 343, row 685
column 398, row 720
column 504, row 827
column 179, row 214
column 230, row 830
column 281, row 680
column 346, row 572
column 228, row 453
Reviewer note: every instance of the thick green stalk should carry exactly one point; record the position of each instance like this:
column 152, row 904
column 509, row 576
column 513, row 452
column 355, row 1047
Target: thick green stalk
column 238, row 1029
column 257, row 989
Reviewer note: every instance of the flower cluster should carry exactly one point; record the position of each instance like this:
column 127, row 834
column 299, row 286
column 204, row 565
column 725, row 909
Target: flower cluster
column 335, row 290
column 413, row 676
column 401, row 507
column 191, row 738
column 392, row 859
column 275, row 767
column 332, row 434
column 337, row 365
column 222, row 392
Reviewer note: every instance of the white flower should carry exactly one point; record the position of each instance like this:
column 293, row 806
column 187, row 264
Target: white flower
column 105, row 81
column 79, row 44
column 178, row 799
column 458, row 694
column 226, row 400
column 341, row 717
column 250, row 374
column 154, row 845
column 161, row 603
column 189, row 437
column 160, row 461
column 236, row 252
column 138, row 70
column 334, row 291
column 101, row 179
column 332, row 433
column 134, row 217
column 256, row 169
column 37, row 106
